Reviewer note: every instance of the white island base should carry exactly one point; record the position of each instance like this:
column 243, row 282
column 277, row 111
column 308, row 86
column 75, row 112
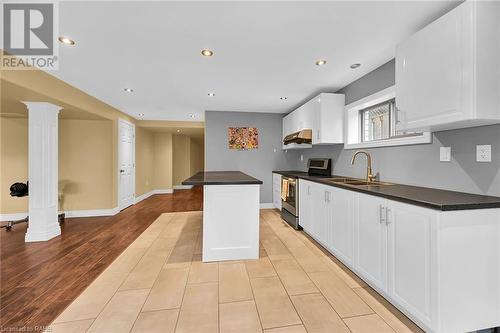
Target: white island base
column 230, row 222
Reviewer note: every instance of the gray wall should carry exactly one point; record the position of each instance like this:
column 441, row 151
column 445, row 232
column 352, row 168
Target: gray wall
column 418, row 164
column 258, row 163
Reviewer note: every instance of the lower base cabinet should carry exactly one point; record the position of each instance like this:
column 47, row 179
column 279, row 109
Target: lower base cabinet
column 371, row 239
column 409, row 252
column 440, row 268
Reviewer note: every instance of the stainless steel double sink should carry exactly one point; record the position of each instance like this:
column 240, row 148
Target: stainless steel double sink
column 356, row 181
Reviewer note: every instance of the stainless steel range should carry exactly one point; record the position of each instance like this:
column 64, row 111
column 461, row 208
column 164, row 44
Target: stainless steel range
column 320, row 167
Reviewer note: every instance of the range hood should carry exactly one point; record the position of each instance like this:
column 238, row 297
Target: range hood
column 303, row 137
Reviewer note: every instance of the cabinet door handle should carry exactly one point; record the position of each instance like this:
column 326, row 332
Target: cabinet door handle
column 325, row 196
column 381, row 219
column 396, row 120
column 387, row 211
column 308, row 190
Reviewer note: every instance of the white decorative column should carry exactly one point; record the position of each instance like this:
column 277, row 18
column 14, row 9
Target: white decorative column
column 43, row 171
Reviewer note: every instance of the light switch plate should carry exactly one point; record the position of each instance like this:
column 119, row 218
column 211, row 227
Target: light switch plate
column 445, row 154
column 483, row 153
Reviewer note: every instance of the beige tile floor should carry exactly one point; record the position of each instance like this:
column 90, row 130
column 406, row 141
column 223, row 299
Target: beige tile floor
column 159, row 284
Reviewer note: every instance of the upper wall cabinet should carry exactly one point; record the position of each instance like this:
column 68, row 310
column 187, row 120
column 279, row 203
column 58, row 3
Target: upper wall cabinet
column 448, row 73
column 328, row 118
column 323, row 115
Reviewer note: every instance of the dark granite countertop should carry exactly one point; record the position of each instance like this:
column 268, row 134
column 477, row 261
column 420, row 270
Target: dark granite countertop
column 221, row 178
column 421, row 196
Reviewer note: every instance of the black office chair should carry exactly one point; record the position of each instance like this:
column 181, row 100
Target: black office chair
column 21, row 190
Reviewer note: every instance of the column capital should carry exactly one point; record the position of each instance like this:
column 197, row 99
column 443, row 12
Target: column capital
column 41, row 106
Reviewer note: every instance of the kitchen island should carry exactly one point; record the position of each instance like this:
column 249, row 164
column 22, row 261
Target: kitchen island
column 230, row 214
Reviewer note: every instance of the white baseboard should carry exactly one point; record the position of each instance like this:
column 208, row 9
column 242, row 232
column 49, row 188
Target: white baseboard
column 266, row 205
column 68, row 213
column 183, row 187
column 12, row 217
column 143, row 197
column 163, row 191
column 92, row 212
column 150, row 193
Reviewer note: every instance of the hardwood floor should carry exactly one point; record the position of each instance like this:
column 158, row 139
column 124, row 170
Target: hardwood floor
column 39, row 280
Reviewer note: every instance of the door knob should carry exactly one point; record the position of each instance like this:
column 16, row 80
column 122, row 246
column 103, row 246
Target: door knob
column 122, row 171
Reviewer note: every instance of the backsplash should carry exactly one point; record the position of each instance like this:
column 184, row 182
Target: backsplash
column 420, row 165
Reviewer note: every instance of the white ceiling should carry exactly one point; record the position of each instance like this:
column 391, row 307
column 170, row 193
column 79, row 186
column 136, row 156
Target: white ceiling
column 263, row 50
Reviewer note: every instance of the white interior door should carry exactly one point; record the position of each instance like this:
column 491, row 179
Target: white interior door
column 126, row 164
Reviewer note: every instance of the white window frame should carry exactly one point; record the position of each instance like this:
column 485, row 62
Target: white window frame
column 352, row 124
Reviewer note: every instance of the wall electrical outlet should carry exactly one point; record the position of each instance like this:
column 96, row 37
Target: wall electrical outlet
column 483, row 153
column 445, row 154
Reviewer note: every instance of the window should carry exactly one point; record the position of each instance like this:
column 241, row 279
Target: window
column 372, row 122
column 376, row 121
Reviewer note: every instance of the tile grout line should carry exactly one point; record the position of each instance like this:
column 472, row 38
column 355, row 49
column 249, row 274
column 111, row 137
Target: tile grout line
column 330, row 270
column 319, row 292
column 280, row 236
column 183, row 294
column 253, row 296
column 118, row 289
column 286, row 292
column 382, row 318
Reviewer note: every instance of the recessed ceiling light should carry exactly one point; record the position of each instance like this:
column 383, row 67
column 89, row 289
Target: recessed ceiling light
column 129, row 90
column 192, row 116
column 66, row 40
column 320, row 62
column 178, row 131
column 354, row 66
column 141, row 114
column 207, row 53
column 283, row 98
column 211, row 94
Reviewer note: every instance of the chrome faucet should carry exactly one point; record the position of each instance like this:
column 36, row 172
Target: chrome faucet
column 369, row 175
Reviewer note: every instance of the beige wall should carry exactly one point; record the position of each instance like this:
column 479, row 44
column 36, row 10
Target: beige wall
column 197, row 157
column 163, row 156
column 182, row 157
column 86, row 161
column 86, row 164
column 13, row 162
column 155, row 172
column 144, row 161
column 188, row 158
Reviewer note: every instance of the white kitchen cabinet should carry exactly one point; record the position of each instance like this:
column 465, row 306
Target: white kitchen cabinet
column 313, row 210
column 324, row 115
column 440, row 268
column 327, row 118
column 371, row 239
column 288, row 124
column 326, row 213
column 306, row 205
column 342, row 222
column 410, row 253
column 323, row 214
column 277, row 190
column 448, row 73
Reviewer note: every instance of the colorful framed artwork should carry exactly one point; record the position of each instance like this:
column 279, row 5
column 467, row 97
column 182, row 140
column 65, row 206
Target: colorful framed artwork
column 243, row 138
